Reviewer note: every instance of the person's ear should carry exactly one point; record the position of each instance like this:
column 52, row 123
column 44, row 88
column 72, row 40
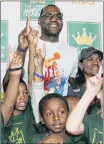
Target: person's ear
column 41, row 120
column 80, row 65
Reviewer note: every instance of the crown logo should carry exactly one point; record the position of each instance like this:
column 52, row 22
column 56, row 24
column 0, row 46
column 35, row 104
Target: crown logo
column 17, row 136
column 84, row 39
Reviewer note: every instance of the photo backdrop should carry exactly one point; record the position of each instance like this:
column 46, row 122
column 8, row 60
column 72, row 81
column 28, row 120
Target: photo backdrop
column 83, row 24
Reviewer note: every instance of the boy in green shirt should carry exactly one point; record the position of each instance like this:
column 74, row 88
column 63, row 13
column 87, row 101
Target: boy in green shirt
column 53, row 108
column 92, row 126
column 18, row 120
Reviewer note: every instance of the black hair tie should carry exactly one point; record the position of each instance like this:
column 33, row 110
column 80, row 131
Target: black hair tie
column 15, row 69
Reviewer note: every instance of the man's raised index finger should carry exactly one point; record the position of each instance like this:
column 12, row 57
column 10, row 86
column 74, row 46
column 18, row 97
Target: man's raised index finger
column 28, row 25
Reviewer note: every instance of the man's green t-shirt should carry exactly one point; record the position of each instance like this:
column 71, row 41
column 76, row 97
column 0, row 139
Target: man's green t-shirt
column 20, row 128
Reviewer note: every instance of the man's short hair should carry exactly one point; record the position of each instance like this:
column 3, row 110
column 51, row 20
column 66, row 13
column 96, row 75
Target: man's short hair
column 41, row 12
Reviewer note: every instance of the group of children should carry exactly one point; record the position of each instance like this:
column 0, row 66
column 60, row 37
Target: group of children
column 18, row 123
column 41, row 118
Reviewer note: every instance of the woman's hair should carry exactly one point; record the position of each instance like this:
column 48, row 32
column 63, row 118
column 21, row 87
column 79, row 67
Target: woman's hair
column 79, row 80
column 51, row 96
column 80, row 77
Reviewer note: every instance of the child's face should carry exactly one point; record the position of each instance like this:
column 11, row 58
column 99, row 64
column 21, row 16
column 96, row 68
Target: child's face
column 22, row 98
column 55, row 115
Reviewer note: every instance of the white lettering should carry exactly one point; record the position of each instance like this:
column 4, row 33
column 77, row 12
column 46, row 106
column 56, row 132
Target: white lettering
column 33, row 10
column 83, row 2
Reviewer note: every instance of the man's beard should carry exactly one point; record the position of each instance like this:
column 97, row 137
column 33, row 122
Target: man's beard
column 47, row 32
column 52, row 34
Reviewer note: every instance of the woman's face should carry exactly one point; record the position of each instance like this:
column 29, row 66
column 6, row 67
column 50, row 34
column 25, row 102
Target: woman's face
column 91, row 65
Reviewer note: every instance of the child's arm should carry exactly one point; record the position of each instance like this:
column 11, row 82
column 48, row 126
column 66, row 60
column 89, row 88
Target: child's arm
column 33, row 39
column 7, row 106
column 38, row 83
column 74, row 123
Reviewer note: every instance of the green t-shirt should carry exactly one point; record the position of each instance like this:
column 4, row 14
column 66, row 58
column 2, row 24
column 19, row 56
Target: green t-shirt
column 37, row 138
column 41, row 129
column 94, row 108
column 93, row 130
column 77, row 140
column 93, row 125
column 20, row 128
column 3, row 136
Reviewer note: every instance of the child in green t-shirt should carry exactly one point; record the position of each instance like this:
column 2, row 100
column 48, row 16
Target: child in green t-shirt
column 91, row 128
column 16, row 110
column 54, row 111
column 53, row 108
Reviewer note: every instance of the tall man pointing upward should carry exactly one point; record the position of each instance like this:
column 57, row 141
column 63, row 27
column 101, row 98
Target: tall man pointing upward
column 61, row 61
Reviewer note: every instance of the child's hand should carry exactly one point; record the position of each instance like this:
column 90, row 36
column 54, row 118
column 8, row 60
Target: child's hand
column 52, row 139
column 33, row 38
column 15, row 65
column 94, row 83
column 39, row 57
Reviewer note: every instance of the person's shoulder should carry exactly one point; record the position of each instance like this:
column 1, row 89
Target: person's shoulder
column 92, row 118
column 37, row 138
column 68, row 47
column 73, row 49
